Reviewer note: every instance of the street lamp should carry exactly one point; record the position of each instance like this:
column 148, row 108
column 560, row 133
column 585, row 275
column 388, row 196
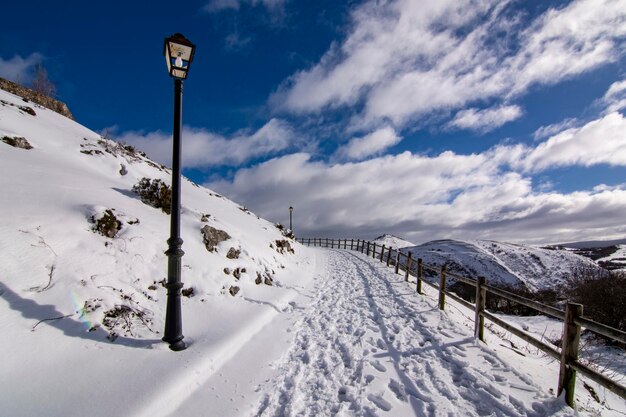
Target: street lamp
column 290, row 223
column 178, row 53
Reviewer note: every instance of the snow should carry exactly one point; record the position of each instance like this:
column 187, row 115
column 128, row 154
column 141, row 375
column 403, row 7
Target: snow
column 383, row 350
column 336, row 333
column 502, row 263
column 391, row 241
column 56, row 268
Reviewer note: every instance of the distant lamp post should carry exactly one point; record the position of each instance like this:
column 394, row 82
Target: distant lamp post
column 290, row 219
column 178, row 53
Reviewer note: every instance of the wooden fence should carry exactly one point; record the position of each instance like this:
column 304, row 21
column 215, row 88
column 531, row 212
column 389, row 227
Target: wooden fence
column 572, row 317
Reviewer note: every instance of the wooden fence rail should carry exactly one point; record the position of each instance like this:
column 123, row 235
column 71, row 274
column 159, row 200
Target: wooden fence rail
column 572, row 317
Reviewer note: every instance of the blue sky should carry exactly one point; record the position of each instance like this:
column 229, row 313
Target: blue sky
column 449, row 119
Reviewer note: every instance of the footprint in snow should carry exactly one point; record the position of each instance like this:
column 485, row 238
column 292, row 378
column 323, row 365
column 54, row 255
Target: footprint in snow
column 381, row 344
column 500, row 379
column 398, row 390
column 378, row 366
column 379, row 402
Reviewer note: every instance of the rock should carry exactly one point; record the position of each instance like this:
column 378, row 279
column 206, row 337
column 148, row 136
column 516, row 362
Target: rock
column 28, row 110
column 233, row 290
column 30, row 95
column 233, row 253
column 283, row 246
column 17, row 142
column 187, row 292
column 212, row 236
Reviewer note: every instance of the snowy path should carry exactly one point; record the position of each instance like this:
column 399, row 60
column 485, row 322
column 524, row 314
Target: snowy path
column 367, row 345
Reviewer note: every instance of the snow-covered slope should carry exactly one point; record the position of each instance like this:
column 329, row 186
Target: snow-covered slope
column 502, row 263
column 53, row 193
column 392, row 241
column 616, row 260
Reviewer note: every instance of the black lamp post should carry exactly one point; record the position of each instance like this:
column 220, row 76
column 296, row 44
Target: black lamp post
column 290, row 222
column 178, row 53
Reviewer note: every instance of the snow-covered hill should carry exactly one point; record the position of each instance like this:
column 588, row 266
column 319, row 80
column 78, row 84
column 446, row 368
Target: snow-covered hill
column 503, row 263
column 392, row 241
column 67, row 181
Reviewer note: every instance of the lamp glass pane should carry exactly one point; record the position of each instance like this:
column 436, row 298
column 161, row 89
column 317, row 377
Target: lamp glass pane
column 182, row 51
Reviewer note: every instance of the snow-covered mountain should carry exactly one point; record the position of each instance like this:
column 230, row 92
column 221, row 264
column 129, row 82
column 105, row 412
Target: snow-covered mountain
column 507, row 264
column 76, row 235
column 392, row 241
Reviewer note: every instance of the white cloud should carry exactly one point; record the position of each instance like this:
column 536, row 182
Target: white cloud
column 601, row 141
column 19, row 69
column 449, row 195
column 368, row 145
column 487, row 119
column 404, row 59
column 201, row 148
column 549, row 130
column 486, row 195
column 615, row 97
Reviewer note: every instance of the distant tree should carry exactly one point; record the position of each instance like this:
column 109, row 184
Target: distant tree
column 41, row 83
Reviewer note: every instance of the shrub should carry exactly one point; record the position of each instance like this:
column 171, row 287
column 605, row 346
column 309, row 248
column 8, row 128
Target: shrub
column 107, row 225
column 154, row 193
column 126, row 319
column 602, row 293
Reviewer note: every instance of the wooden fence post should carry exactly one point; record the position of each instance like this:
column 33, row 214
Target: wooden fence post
column 408, row 268
column 326, row 242
column 479, row 320
column 368, row 248
column 420, row 275
column 389, row 257
column 397, row 261
column 352, row 243
column 442, row 288
column 382, row 252
column 569, row 351
column 374, row 250
column 345, row 243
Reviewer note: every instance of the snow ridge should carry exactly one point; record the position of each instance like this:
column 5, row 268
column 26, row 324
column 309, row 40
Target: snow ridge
column 506, row 264
column 392, row 241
